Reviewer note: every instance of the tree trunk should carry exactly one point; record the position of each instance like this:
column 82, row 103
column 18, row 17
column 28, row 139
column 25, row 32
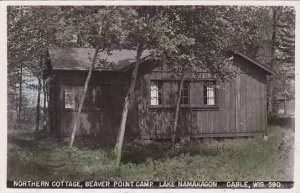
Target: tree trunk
column 16, row 102
column 271, row 97
column 120, row 138
column 83, row 96
column 284, row 105
column 38, row 106
column 79, row 36
column 173, row 132
column 20, row 93
column 44, row 104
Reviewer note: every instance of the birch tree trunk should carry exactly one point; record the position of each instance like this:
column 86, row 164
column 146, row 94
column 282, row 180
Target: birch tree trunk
column 173, row 132
column 120, row 138
column 38, row 105
column 83, row 97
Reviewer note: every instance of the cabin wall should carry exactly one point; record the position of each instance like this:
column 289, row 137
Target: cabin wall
column 102, row 120
column 240, row 110
column 53, row 106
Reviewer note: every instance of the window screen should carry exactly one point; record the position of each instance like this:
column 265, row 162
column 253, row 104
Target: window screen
column 155, row 93
column 209, row 94
column 69, row 94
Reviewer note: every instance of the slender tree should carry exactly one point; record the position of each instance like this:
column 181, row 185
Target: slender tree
column 150, row 27
column 173, row 136
column 120, row 138
column 100, row 34
column 30, row 31
column 44, row 103
column 86, row 84
column 38, row 106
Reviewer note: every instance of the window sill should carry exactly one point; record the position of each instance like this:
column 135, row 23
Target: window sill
column 85, row 110
column 204, row 107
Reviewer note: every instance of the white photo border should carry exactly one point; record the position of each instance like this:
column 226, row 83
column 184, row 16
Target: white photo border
column 3, row 90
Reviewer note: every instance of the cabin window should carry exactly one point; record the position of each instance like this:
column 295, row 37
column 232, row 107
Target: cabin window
column 209, row 94
column 97, row 97
column 194, row 94
column 69, row 94
column 185, row 94
column 156, row 93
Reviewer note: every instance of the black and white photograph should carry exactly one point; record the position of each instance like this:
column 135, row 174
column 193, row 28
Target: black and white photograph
column 150, row 96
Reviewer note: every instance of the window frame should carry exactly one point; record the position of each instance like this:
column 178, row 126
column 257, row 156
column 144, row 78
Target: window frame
column 200, row 106
column 90, row 103
column 205, row 86
column 185, row 88
column 160, row 93
column 70, row 88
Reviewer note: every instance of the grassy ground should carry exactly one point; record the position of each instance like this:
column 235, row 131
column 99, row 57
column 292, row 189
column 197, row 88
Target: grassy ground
column 229, row 159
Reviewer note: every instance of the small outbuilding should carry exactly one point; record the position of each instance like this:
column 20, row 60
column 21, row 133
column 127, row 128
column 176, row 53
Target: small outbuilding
column 209, row 108
column 285, row 106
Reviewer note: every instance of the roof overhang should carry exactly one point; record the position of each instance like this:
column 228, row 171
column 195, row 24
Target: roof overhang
column 80, row 59
column 262, row 67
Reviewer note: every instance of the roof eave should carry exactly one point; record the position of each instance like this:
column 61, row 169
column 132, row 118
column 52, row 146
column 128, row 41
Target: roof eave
column 126, row 68
column 82, row 70
column 267, row 70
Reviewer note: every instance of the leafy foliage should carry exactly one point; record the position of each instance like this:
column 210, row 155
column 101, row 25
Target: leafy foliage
column 185, row 38
column 284, row 53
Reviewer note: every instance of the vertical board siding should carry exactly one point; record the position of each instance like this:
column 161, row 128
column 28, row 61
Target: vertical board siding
column 241, row 109
column 200, row 122
column 243, row 104
column 184, row 124
column 256, row 105
column 170, row 93
column 248, row 103
column 237, row 104
column 222, row 114
column 210, row 121
column 253, row 107
column 265, row 107
column 196, row 93
column 251, row 119
column 193, row 129
column 61, row 108
column 258, row 108
column 91, row 123
column 232, row 107
column 227, row 109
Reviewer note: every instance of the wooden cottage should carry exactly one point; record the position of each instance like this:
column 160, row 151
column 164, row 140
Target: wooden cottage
column 208, row 108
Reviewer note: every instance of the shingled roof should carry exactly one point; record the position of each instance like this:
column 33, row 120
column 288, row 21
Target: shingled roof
column 81, row 58
column 116, row 60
